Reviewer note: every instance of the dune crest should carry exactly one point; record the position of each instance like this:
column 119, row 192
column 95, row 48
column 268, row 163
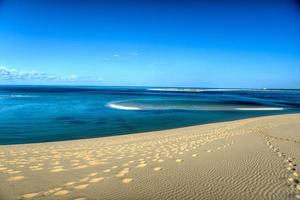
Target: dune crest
column 256, row 158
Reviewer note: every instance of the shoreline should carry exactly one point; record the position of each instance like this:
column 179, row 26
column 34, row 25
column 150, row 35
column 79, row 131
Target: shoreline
column 241, row 159
column 148, row 132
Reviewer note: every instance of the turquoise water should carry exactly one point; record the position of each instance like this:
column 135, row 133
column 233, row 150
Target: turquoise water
column 31, row 114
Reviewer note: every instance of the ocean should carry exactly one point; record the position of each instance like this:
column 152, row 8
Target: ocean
column 30, row 114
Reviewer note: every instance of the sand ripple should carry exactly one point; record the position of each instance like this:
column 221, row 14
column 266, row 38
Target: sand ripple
column 233, row 160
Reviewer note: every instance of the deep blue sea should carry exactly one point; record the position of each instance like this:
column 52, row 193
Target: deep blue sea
column 31, row 114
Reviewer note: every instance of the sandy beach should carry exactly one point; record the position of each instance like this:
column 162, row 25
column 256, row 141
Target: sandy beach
column 255, row 158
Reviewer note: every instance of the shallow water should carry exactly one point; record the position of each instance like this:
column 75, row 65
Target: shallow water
column 51, row 113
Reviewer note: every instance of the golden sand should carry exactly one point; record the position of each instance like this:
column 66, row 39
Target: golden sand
column 255, row 158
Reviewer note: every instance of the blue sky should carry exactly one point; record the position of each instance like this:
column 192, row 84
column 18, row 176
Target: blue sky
column 188, row 43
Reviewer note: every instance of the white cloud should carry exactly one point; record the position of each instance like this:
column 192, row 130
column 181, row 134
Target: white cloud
column 13, row 75
column 96, row 79
column 73, row 77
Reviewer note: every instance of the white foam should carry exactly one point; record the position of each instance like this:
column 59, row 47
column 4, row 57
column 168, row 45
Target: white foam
column 176, row 89
column 17, row 96
column 190, row 90
column 210, row 90
column 116, row 106
column 258, row 108
column 123, row 105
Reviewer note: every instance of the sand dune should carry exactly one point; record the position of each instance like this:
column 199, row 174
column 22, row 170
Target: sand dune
column 255, row 158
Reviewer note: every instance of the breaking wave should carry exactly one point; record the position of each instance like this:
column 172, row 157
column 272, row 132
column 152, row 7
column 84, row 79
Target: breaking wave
column 185, row 105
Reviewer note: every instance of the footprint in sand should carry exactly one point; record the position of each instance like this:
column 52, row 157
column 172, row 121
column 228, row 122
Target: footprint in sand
column 120, row 174
column 16, row 178
column 141, row 165
column 93, row 163
column 179, row 160
column 95, row 180
column 292, row 180
column 80, row 187
column 289, row 160
column 127, row 180
column 29, row 195
column 194, row 155
column 36, row 169
column 84, row 179
column 123, row 172
column 157, row 169
column 93, row 174
column 290, row 168
column 81, row 167
column 3, row 169
column 69, row 183
column 62, row 192
column 292, row 165
column 14, row 172
column 57, row 170
column 52, row 191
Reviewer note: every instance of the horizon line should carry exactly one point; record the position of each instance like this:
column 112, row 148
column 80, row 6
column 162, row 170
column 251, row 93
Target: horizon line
column 80, row 85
